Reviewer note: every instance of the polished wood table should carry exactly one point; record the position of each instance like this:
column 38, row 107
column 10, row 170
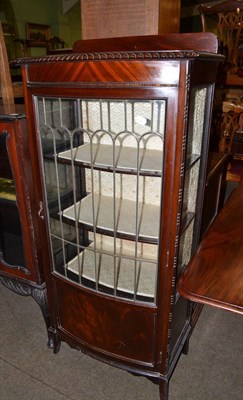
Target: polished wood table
column 214, row 275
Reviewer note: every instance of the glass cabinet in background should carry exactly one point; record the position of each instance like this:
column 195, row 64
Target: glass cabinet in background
column 118, row 144
column 20, row 252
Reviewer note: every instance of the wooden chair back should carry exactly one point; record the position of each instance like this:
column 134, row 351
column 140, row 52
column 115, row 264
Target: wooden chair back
column 8, row 89
column 229, row 15
column 231, row 126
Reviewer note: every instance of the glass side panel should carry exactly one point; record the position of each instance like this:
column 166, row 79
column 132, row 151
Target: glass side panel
column 196, row 122
column 185, row 247
column 103, row 165
column 190, row 188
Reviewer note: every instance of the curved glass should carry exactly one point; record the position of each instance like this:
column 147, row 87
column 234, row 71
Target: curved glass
column 103, row 163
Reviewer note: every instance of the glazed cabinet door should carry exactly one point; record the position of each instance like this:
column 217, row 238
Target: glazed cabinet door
column 103, row 164
column 18, row 226
column 103, row 168
column 20, row 251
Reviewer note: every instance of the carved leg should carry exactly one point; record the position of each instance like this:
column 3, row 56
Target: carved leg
column 55, row 340
column 164, row 390
column 39, row 295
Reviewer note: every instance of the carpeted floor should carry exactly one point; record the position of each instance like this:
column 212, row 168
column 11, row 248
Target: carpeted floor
column 30, row 371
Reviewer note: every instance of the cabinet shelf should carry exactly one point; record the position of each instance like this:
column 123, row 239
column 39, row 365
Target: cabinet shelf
column 121, row 158
column 118, row 272
column 48, row 145
column 96, row 213
column 66, row 196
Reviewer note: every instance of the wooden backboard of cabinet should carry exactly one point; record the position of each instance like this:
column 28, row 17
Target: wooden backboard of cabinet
column 118, row 140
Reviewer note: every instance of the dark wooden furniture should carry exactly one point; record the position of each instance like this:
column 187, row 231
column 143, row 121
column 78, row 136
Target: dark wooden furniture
column 214, row 275
column 215, row 188
column 118, row 140
column 231, row 141
column 227, row 18
column 214, row 196
column 11, row 245
column 229, row 15
column 20, row 252
column 8, row 90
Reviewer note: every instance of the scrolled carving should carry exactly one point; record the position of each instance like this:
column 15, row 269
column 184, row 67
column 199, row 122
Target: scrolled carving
column 13, row 267
column 40, row 296
column 16, row 286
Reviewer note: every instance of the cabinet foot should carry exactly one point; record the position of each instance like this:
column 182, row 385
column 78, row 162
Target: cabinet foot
column 164, row 390
column 54, row 342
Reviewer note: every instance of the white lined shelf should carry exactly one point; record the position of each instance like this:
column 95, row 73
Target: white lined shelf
column 96, row 212
column 120, row 272
column 123, row 158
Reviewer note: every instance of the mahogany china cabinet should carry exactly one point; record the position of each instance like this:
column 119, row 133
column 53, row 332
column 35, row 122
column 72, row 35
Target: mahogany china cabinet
column 20, row 253
column 118, row 139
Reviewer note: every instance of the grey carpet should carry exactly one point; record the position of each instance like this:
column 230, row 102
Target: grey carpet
column 30, row 371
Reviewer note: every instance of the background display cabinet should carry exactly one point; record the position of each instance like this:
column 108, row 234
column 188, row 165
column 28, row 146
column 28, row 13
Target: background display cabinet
column 118, row 139
column 20, row 253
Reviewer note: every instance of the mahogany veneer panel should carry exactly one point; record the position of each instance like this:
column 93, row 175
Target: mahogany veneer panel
column 215, row 274
column 115, row 328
